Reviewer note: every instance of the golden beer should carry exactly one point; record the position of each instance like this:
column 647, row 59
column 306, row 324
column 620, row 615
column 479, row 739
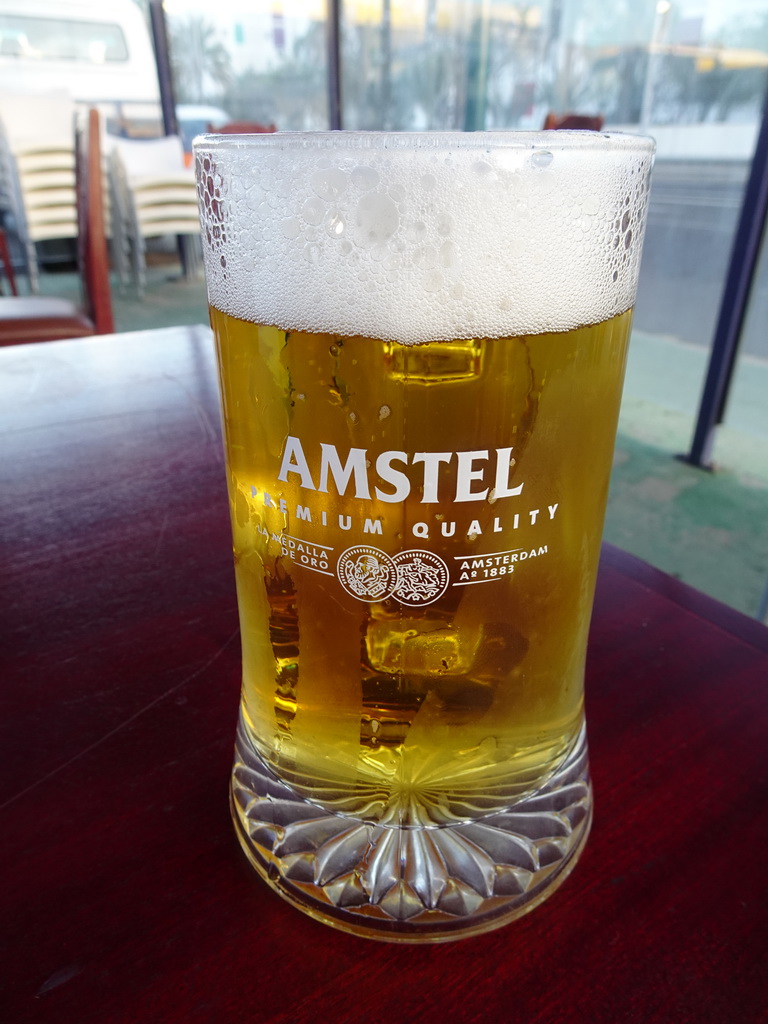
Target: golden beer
column 416, row 530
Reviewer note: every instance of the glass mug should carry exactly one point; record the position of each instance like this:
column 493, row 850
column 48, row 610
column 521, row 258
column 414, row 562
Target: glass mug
column 421, row 342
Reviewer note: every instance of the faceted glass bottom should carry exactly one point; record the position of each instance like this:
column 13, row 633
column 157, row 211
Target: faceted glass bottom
column 412, row 884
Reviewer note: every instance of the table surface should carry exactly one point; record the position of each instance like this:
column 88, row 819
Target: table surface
column 125, row 896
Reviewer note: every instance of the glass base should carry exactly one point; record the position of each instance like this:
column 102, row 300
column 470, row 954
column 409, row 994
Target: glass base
column 412, row 884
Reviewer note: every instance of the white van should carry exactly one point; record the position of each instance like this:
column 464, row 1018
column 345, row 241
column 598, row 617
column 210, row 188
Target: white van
column 97, row 51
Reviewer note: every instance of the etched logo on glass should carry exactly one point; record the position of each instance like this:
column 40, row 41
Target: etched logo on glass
column 367, row 573
column 422, row 577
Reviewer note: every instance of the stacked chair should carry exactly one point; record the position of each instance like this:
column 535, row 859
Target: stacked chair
column 45, row 318
column 154, row 194
column 37, row 178
column 37, row 172
column 145, row 191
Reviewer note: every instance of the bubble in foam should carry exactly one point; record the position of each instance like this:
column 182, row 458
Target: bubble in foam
column 313, row 211
column 364, row 178
column 444, row 223
column 291, row 227
column 425, row 257
column 335, row 223
column 542, row 158
column 433, row 281
column 376, row 220
column 329, row 184
column 312, row 253
column 416, row 231
column 591, row 206
column 423, row 237
column 483, row 169
column 447, row 254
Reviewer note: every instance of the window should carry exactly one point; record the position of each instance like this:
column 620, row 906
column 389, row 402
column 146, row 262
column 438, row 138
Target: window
column 91, row 42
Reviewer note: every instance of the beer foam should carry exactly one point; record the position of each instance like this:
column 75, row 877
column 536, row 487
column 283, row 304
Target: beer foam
column 423, row 237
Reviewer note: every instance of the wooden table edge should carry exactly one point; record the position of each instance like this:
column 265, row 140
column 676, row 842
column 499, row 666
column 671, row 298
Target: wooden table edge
column 750, row 631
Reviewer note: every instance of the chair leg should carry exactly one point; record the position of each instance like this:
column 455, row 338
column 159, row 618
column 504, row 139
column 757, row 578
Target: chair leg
column 7, row 262
column 117, row 260
column 119, row 246
column 138, row 261
column 138, row 252
column 192, row 257
column 33, row 268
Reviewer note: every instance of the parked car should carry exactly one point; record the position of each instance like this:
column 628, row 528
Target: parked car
column 194, row 119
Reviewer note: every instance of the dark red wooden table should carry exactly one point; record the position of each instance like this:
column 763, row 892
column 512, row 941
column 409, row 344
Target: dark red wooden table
column 125, row 897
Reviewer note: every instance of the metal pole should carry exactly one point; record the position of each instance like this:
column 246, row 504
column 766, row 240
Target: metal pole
column 167, row 96
column 163, row 62
column 334, row 65
column 386, row 63
column 663, row 7
column 477, row 70
column 733, row 307
column 762, row 610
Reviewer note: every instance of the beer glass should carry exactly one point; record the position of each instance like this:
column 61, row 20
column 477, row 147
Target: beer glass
column 421, row 341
